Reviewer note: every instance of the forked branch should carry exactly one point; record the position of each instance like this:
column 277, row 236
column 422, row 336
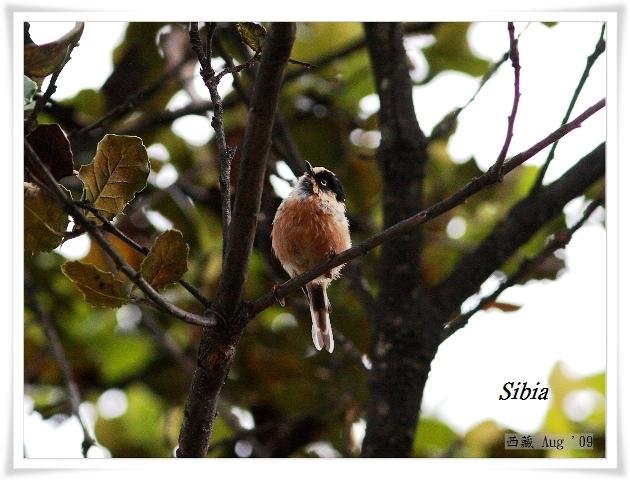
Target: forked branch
column 96, row 234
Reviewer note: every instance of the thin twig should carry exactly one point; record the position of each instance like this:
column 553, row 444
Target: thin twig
column 81, row 220
column 234, row 69
column 475, row 185
column 226, row 154
column 56, row 347
column 590, row 61
column 111, row 228
column 167, row 117
column 51, row 89
column 167, row 343
column 353, row 47
column 308, row 66
column 282, row 143
column 201, row 108
column 560, row 240
column 514, row 57
column 133, row 101
column 448, row 122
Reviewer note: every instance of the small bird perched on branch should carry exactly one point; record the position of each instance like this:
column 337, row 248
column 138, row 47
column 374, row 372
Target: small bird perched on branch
column 310, row 226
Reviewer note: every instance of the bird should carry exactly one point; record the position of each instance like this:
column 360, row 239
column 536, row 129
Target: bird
column 310, row 226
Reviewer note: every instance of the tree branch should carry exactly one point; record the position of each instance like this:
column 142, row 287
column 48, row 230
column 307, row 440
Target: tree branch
column 353, row 47
column 133, row 101
column 560, row 240
column 514, row 57
column 421, row 217
column 81, row 220
column 254, row 160
column 590, row 61
column 217, row 348
column 211, row 80
column 521, row 222
column 56, row 348
column 166, row 118
column 448, row 123
column 50, row 90
column 111, row 228
column 282, row 142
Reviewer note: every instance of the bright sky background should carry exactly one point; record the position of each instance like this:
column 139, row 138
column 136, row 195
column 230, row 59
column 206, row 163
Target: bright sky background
column 563, row 320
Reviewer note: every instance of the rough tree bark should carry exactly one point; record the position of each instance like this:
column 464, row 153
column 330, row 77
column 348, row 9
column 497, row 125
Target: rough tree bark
column 399, row 353
column 218, row 345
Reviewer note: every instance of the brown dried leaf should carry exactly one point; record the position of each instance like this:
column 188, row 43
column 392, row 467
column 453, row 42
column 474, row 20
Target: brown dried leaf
column 53, row 149
column 167, row 260
column 549, row 267
column 44, row 220
column 42, row 60
column 99, row 288
column 503, row 306
column 119, row 170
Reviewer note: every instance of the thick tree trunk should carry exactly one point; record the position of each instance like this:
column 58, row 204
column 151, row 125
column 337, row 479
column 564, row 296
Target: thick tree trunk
column 399, row 367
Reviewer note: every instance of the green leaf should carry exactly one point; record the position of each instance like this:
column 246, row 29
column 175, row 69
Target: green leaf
column 139, row 432
column 480, row 438
column 119, row 170
column 433, row 438
column 89, row 102
column 53, row 149
column 42, row 60
column 252, row 34
column 45, row 221
column 30, row 87
column 99, row 288
column 167, row 260
column 451, row 52
column 124, row 356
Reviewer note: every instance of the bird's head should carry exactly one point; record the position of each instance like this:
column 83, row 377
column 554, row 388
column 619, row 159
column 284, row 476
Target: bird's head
column 321, row 182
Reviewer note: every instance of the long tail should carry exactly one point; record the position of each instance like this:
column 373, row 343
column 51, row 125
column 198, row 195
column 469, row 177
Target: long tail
column 322, row 331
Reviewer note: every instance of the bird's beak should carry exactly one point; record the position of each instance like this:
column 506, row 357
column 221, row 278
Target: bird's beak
column 309, row 169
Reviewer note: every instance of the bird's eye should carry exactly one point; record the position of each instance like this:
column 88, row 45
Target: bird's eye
column 323, row 183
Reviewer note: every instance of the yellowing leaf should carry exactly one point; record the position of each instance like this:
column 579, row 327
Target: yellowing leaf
column 252, row 34
column 42, row 60
column 119, row 170
column 45, row 221
column 99, row 288
column 166, row 261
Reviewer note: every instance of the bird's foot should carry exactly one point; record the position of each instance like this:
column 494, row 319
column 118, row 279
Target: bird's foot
column 275, row 294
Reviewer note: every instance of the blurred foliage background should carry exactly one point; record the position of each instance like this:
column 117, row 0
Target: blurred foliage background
column 293, row 402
